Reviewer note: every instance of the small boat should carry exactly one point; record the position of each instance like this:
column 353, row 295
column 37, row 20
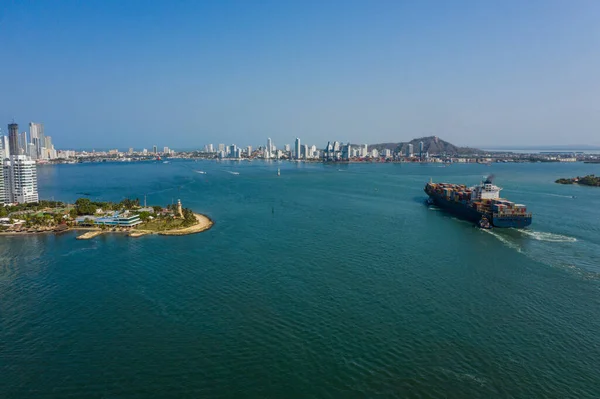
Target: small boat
column 278, row 172
column 484, row 223
column 200, row 171
column 165, row 161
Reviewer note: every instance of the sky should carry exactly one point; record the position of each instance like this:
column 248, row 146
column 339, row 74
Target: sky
column 119, row 74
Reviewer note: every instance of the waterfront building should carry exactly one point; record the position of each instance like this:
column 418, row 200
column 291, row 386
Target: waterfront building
column 211, row 148
column 221, row 147
column 155, row 149
column 305, row 152
column 269, row 148
column 145, row 151
column 387, row 153
column 375, row 153
column 117, row 219
column 298, row 149
column 365, row 150
column 130, row 152
column 166, row 150
column 287, row 148
column 13, row 138
column 249, row 151
column 421, row 145
column 409, row 151
column 2, row 191
column 20, row 180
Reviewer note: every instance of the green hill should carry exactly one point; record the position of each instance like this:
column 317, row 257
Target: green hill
column 432, row 144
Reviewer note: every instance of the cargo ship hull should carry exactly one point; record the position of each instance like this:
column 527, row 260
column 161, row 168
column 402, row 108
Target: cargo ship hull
column 468, row 213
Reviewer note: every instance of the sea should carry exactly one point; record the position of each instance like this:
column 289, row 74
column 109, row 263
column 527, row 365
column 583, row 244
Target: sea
column 328, row 281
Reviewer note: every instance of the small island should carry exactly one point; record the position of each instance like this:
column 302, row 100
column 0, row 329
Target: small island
column 589, row 180
column 96, row 218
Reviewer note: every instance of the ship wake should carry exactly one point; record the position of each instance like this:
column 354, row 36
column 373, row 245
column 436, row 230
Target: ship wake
column 502, row 239
column 549, row 237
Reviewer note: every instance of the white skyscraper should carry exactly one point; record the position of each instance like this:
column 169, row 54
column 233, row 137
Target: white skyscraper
column 211, row 148
column 2, row 190
column 20, row 180
column 409, row 150
column 269, row 149
column 298, row 148
column 5, row 146
column 221, row 147
column 249, row 150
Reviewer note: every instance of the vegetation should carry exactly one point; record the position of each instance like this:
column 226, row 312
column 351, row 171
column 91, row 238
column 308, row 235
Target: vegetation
column 49, row 214
column 85, row 206
column 589, row 180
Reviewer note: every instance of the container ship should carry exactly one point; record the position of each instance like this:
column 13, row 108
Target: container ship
column 481, row 204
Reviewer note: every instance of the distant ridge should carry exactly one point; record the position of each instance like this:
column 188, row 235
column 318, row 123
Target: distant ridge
column 431, row 144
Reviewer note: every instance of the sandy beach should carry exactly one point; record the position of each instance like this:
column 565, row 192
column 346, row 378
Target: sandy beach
column 204, row 223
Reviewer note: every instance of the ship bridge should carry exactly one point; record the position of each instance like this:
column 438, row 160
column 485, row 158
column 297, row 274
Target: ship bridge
column 486, row 190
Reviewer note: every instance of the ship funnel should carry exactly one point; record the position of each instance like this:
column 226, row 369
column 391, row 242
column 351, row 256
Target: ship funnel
column 489, row 179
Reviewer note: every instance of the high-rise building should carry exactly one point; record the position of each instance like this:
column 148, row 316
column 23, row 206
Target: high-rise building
column 166, row 150
column 409, row 151
column 35, row 130
column 269, row 148
column 13, row 138
column 298, row 149
column 155, row 149
column 211, row 148
column 286, row 148
column 249, row 150
column 20, row 180
column 305, row 152
column 365, row 150
column 221, row 147
column 5, row 148
column 2, row 190
column 130, row 151
column 421, row 149
column 23, row 142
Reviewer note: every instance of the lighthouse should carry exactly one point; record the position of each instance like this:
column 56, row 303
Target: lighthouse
column 179, row 209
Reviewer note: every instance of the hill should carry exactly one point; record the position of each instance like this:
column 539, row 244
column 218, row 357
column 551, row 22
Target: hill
column 432, row 144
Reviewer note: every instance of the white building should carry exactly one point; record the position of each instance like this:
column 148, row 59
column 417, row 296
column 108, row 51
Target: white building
column 249, row 150
column 211, row 148
column 20, row 180
column 2, row 190
column 409, row 151
column 269, row 149
column 365, row 151
column 5, row 147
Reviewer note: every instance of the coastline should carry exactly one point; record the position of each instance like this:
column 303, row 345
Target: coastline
column 204, row 223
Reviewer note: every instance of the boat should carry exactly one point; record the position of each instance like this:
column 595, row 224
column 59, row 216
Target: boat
column 278, row 172
column 477, row 203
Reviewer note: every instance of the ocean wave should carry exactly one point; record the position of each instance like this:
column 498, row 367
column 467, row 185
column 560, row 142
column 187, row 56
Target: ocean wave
column 549, row 237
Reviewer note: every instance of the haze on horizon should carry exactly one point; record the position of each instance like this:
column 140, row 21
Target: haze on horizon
column 184, row 74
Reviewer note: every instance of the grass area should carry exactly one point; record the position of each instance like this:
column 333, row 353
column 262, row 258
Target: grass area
column 160, row 225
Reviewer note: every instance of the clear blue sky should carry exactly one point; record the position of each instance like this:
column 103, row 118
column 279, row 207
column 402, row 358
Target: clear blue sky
column 186, row 73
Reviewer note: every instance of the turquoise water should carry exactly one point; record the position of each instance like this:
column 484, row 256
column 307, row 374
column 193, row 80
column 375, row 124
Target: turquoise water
column 325, row 282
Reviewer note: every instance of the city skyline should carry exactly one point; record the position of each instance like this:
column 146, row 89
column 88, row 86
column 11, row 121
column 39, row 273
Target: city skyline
column 480, row 75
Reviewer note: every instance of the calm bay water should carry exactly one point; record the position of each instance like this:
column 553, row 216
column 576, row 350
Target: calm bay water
column 328, row 281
